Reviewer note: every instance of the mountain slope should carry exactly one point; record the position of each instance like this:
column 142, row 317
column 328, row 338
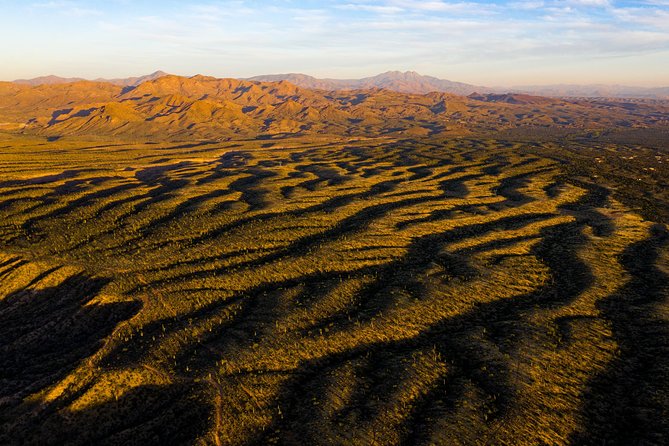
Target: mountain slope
column 124, row 82
column 48, row 80
column 174, row 107
column 134, row 81
column 595, row 91
column 404, row 82
column 412, row 82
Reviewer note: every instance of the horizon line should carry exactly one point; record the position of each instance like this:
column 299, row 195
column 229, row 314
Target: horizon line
column 166, row 73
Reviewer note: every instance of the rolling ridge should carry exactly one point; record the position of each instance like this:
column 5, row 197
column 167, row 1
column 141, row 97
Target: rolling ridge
column 366, row 291
column 206, row 108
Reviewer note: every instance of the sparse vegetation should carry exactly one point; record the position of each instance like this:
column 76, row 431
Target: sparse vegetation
column 333, row 290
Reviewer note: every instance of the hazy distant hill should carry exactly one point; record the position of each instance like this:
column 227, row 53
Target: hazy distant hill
column 403, row 82
column 412, row 82
column 134, row 81
column 593, row 91
column 125, row 82
column 512, row 98
column 48, row 80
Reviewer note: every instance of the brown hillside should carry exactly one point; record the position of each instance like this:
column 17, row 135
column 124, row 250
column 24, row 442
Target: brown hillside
column 206, row 107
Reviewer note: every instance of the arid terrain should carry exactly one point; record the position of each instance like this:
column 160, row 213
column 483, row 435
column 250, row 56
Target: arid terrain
column 200, row 107
column 218, row 261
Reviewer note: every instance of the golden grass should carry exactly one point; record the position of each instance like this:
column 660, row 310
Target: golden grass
column 351, row 292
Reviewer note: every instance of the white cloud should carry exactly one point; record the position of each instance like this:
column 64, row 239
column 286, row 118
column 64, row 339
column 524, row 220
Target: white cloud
column 356, row 37
column 68, row 8
column 379, row 9
column 600, row 3
column 443, row 6
column 527, row 4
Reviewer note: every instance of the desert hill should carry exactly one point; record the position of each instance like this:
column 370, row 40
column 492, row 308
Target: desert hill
column 330, row 290
column 511, row 98
column 178, row 107
column 48, row 80
column 595, row 91
column 412, row 82
column 204, row 261
column 403, row 82
column 125, row 82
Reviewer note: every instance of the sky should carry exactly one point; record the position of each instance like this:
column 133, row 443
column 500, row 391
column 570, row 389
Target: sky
column 491, row 43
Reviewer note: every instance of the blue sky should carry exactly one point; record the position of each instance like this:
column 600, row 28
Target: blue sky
column 494, row 43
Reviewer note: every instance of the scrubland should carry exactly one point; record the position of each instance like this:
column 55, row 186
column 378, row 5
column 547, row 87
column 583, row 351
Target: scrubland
column 333, row 290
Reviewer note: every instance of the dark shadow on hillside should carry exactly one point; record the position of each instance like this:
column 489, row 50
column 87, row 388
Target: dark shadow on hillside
column 176, row 414
column 127, row 89
column 480, row 346
column 56, row 114
column 249, row 187
column 46, row 333
column 628, row 404
column 473, row 361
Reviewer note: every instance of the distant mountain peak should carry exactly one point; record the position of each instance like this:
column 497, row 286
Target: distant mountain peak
column 50, row 79
column 170, row 106
column 400, row 81
column 402, row 73
column 124, row 82
column 399, row 75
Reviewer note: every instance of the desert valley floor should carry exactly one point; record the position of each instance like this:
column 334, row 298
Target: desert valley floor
column 349, row 290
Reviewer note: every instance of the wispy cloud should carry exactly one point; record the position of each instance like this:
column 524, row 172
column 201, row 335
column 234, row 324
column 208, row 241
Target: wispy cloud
column 448, row 38
column 379, row 9
column 69, row 8
column 599, row 3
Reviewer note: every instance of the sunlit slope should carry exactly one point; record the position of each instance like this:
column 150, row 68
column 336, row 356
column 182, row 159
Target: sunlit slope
column 179, row 108
column 335, row 292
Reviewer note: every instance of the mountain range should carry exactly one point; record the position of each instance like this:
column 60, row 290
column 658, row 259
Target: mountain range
column 412, row 82
column 403, row 82
column 406, row 82
column 125, row 82
column 175, row 107
column 595, row 91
